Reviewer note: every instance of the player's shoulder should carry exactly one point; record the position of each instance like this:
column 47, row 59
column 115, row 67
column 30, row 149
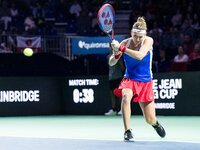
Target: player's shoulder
column 149, row 39
column 125, row 41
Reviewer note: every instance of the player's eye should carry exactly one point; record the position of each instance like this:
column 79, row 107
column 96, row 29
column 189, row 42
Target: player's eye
column 139, row 37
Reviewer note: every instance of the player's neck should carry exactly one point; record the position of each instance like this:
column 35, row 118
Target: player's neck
column 134, row 46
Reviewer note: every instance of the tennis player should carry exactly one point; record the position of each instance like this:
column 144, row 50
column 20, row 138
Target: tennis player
column 137, row 82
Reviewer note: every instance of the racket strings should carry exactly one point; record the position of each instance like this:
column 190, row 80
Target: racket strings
column 106, row 19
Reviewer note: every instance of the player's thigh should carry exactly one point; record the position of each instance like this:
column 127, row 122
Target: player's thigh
column 148, row 109
column 127, row 95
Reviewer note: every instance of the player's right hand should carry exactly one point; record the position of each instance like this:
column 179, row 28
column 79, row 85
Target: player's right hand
column 114, row 44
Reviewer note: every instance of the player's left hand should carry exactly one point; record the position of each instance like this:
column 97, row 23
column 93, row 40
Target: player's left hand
column 118, row 47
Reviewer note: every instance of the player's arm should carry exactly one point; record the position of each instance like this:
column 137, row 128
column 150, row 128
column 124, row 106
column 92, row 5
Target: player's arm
column 112, row 61
column 115, row 56
column 147, row 46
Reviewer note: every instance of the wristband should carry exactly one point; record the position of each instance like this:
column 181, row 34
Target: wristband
column 122, row 48
column 117, row 56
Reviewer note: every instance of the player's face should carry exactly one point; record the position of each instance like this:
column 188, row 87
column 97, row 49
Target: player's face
column 137, row 37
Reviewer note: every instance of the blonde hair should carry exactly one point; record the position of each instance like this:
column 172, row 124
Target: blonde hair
column 140, row 24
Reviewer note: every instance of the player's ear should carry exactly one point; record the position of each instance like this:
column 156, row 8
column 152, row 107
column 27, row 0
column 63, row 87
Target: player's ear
column 132, row 33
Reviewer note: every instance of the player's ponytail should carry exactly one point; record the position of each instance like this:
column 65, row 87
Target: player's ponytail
column 140, row 24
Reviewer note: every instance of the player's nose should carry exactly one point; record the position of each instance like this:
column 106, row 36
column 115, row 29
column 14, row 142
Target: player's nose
column 137, row 39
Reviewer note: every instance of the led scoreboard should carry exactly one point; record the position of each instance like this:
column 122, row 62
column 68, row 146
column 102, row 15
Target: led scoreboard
column 86, row 95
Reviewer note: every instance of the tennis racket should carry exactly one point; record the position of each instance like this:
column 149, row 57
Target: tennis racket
column 106, row 20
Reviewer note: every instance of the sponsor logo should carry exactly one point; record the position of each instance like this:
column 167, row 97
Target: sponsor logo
column 165, row 105
column 83, row 44
column 166, row 90
column 19, row 96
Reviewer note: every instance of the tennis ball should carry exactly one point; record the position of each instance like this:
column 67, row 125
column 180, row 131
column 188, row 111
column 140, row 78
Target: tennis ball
column 28, row 52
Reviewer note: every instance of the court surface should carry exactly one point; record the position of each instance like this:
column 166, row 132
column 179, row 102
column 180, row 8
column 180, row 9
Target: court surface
column 96, row 133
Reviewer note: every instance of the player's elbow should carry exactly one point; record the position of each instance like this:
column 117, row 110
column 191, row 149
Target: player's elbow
column 111, row 63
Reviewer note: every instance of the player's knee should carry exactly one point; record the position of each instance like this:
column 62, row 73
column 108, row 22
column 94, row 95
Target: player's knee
column 126, row 98
column 126, row 95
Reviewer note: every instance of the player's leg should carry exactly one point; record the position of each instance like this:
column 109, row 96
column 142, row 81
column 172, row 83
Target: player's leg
column 148, row 109
column 127, row 95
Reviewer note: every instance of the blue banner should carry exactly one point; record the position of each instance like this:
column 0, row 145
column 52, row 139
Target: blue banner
column 92, row 45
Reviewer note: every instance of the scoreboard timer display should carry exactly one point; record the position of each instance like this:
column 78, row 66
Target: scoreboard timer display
column 83, row 96
column 86, row 95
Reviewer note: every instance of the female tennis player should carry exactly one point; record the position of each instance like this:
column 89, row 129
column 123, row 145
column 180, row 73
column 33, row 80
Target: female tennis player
column 137, row 82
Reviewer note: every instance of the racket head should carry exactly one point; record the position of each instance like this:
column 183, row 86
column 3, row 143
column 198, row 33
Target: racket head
column 106, row 18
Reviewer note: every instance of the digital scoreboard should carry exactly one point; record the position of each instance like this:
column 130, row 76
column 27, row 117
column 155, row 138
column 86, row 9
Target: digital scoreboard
column 87, row 95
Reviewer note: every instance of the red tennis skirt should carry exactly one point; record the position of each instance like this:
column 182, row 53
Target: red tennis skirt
column 143, row 91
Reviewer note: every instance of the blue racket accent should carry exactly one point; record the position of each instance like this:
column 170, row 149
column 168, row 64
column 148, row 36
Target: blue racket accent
column 106, row 19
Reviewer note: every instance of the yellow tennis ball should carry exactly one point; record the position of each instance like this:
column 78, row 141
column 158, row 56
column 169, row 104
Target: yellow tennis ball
column 28, row 52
